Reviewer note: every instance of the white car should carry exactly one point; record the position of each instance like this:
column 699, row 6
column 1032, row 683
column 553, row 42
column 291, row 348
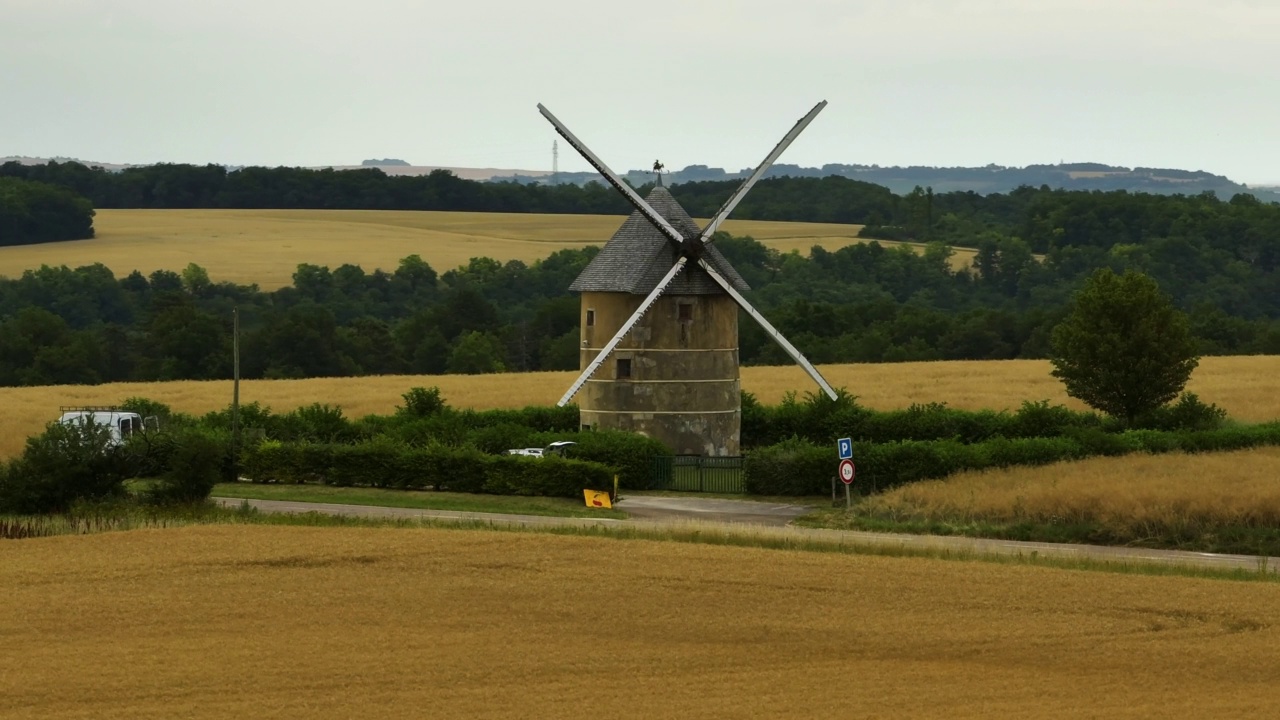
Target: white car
column 555, row 448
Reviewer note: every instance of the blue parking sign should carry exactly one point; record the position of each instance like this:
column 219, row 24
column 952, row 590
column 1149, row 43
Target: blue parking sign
column 846, row 448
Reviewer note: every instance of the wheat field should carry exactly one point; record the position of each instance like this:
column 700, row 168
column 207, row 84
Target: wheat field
column 1127, row 494
column 254, row 621
column 1248, row 387
column 265, row 246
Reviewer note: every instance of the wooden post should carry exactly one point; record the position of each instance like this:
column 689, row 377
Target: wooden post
column 235, row 392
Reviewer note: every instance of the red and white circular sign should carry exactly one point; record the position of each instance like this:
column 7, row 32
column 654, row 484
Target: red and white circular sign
column 847, row 471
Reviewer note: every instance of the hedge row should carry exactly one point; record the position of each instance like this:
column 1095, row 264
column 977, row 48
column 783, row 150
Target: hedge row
column 392, row 465
column 317, row 423
column 799, row 467
column 821, row 420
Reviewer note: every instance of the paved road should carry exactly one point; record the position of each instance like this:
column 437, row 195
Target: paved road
column 655, row 507
column 764, row 520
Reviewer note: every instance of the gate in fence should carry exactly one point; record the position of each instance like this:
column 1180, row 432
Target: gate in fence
column 696, row 473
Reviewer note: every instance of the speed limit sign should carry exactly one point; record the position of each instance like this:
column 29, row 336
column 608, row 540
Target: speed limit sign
column 847, row 471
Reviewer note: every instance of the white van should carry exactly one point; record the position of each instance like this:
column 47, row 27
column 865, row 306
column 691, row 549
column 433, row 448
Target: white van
column 120, row 423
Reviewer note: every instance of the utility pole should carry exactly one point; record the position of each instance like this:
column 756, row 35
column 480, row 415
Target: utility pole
column 235, row 392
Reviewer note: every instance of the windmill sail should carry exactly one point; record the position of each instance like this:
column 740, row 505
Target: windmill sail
column 769, row 160
column 773, row 332
column 613, row 179
column 624, row 266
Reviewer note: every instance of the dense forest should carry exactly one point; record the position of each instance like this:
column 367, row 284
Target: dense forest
column 866, row 303
column 36, row 212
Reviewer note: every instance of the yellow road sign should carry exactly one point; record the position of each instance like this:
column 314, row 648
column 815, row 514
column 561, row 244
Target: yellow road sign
column 597, row 499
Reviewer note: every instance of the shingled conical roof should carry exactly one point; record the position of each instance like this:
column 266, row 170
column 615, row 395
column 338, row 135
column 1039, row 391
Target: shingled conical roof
column 637, row 257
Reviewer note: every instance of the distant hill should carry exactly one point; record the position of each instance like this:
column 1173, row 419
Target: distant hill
column 901, row 180
column 24, row 160
column 462, row 172
column 981, row 180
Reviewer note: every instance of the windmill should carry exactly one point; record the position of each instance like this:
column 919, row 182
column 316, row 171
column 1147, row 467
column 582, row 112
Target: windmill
column 668, row 301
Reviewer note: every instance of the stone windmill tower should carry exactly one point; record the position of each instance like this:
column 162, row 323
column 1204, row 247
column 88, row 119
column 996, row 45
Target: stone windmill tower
column 659, row 319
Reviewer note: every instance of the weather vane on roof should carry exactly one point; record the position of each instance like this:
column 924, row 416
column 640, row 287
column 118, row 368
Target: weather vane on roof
column 658, row 167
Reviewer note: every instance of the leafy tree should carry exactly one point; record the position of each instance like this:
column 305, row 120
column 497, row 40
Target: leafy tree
column 422, row 402
column 195, row 279
column 186, row 343
column 1124, row 349
column 416, row 273
column 36, row 212
column 64, row 464
column 476, row 353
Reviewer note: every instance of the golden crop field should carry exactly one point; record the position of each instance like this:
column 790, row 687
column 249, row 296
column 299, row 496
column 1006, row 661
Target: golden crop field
column 1248, row 387
column 254, row 621
column 266, row 246
column 1126, row 493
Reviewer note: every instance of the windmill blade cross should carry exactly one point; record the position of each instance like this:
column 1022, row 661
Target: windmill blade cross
column 769, row 160
column 770, row 329
column 647, row 303
column 632, row 197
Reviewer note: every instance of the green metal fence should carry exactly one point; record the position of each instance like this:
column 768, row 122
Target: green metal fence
column 696, row 473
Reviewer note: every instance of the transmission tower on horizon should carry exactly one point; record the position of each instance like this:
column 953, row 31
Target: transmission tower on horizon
column 555, row 161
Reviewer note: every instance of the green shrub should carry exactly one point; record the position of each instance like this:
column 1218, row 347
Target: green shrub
column 1040, row 419
column 1189, row 413
column 537, row 418
column 461, row 469
column 387, row 464
column 375, row 463
column 1094, row 441
column 147, row 408
column 63, row 465
column 314, row 423
column 497, row 439
column 272, row 461
column 791, row 467
column 755, row 421
column 1154, row 441
column 821, row 421
column 549, row 476
column 886, row 465
column 196, row 462
column 629, row 455
column 1229, row 438
column 252, row 415
column 441, row 429
column 1002, row 452
column 421, row 402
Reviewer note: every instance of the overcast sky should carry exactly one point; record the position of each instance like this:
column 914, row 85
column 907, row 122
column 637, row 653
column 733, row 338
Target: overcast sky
column 1168, row 83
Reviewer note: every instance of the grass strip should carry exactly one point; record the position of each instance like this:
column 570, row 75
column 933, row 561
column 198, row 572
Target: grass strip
column 120, row 519
column 415, row 499
column 1228, row 539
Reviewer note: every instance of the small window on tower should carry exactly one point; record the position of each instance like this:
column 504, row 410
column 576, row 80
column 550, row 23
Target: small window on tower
column 591, row 317
column 685, row 311
column 624, row 368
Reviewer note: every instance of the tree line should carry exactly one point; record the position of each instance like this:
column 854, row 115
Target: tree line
column 865, row 303
column 1040, row 217
column 861, row 303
